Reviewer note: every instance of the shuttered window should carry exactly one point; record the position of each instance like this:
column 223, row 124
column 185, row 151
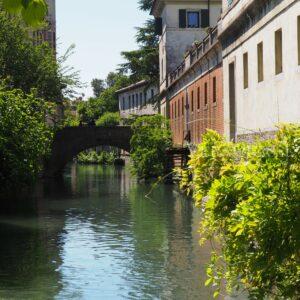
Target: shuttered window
column 182, row 18
column 246, row 72
column 260, row 62
column 278, row 52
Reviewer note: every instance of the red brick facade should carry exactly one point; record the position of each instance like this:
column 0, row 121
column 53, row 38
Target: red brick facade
column 198, row 107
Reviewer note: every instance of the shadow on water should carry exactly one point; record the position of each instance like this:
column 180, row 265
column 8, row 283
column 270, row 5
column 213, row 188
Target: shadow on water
column 94, row 234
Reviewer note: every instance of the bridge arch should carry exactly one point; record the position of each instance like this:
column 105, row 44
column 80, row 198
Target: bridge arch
column 70, row 141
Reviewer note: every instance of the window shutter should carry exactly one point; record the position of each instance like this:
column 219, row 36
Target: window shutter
column 205, row 18
column 182, row 18
column 158, row 26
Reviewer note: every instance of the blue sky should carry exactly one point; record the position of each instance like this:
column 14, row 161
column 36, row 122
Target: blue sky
column 100, row 30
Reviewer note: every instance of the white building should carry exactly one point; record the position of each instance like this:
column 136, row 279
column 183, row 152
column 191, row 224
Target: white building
column 261, row 65
column 180, row 23
column 138, row 99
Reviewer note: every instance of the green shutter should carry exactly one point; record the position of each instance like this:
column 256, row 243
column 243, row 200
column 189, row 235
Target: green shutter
column 205, row 18
column 182, row 18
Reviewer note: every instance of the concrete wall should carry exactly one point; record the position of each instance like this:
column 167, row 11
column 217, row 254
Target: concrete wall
column 142, row 103
column 276, row 99
column 175, row 41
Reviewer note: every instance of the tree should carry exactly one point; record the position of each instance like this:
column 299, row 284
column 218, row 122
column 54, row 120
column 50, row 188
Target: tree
column 24, row 136
column 90, row 111
column 143, row 63
column 109, row 119
column 150, row 140
column 98, row 86
column 33, row 12
column 26, row 66
column 252, row 211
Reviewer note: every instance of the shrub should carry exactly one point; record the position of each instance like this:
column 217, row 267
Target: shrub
column 92, row 157
column 24, row 137
column 253, row 210
column 151, row 137
column 109, row 119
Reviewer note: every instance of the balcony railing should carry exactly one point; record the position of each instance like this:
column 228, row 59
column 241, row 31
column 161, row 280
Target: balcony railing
column 197, row 51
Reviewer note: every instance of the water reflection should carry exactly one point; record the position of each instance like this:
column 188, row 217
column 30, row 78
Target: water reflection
column 94, row 235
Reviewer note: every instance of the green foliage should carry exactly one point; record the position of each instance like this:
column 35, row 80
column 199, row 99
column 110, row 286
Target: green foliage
column 33, row 12
column 24, row 137
column 93, row 157
column 109, row 119
column 26, row 66
column 143, row 63
column 151, row 138
column 98, row 87
column 91, row 110
column 253, row 211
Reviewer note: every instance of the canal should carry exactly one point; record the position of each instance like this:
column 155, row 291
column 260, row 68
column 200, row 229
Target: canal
column 96, row 235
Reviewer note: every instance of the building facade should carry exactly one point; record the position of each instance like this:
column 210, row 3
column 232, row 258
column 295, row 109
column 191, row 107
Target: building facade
column 48, row 33
column 195, row 92
column 261, row 63
column 138, row 99
column 179, row 24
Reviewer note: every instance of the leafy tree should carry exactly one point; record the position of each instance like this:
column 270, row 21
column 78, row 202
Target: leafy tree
column 145, row 4
column 98, row 86
column 26, row 66
column 24, row 137
column 109, row 119
column 33, row 12
column 143, row 63
column 252, row 211
column 90, row 111
column 150, row 140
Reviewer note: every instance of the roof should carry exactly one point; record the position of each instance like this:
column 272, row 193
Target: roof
column 133, row 86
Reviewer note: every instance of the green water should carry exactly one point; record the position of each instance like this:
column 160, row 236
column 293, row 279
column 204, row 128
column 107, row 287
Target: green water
column 95, row 235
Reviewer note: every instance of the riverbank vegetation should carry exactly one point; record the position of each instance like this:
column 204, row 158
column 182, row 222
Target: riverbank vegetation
column 251, row 209
column 32, row 86
column 150, row 140
column 24, row 137
column 94, row 157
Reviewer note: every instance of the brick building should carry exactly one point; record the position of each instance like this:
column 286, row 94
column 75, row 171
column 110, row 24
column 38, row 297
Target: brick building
column 195, row 91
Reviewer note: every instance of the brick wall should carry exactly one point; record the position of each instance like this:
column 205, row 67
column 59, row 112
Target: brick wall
column 190, row 115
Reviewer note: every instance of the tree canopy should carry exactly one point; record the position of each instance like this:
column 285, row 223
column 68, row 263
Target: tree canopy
column 26, row 66
column 33, row 12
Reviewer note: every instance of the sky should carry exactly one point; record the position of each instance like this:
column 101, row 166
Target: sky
column 100, row 30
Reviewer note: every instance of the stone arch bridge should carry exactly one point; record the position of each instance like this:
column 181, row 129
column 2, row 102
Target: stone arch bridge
column 70, row 141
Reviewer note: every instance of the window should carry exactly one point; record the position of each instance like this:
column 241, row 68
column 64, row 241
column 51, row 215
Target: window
column 198, row 98
column 182, row 106
column 298, row 25
column 192, row 100
column 145, row 98
column 129, row 101
column 133, row 102
column 205, row 94
column 278, row 52
column 193, row 19
column 175, row 109
column 246, row 74
column 215, row 89
column 123, row 104
column 152, row 93
column 137, row 100
column 260, row 62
